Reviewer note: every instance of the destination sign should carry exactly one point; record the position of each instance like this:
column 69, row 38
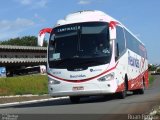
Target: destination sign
column 69, row 28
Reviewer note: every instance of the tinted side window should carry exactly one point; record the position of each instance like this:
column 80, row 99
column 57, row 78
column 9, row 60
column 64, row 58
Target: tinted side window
column 129, row 40
column 120, row 39
column 142, row 51
column 133, row 44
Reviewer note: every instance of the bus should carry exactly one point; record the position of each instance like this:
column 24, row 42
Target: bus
column 90, row 53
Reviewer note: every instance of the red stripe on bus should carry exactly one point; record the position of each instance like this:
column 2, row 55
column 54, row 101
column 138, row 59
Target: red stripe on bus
column 137, row 82
column 83, row 80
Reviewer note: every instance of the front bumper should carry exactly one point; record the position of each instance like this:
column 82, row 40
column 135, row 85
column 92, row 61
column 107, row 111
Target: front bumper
column 88, row 89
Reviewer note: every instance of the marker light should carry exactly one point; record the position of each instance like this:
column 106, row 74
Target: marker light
column 107, row 77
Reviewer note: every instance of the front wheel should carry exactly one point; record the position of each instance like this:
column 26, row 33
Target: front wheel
column 74, row 99
column 123, row 93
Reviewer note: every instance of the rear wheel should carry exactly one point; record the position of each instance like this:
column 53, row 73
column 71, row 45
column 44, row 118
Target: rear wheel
column 141, row 90
column 74, row 99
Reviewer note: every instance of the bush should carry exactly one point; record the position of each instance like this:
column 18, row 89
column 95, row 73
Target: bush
column 151, row 79
column 158, row 70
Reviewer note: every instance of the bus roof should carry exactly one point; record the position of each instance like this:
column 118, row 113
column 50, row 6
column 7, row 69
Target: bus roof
column 85, row 16
column 89, row 16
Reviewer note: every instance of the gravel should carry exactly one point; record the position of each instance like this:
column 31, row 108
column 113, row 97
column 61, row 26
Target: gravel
column 154, row 114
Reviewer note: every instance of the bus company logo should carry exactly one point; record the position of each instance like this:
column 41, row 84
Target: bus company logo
column 95, row 70
column 133, row 61
column 77, row 76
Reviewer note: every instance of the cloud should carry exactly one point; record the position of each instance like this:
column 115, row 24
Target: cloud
column 84, row 2
column 11, row 29
column 25, row 2
column 41, row 3
column 33, row 3
column 87, row 2
column 39, row 17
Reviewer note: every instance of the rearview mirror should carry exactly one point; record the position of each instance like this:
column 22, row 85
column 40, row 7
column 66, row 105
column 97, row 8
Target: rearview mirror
column 42, row 34
column 112, row 29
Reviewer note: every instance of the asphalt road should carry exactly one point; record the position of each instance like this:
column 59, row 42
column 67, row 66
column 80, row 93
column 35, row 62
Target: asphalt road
column 93, row 108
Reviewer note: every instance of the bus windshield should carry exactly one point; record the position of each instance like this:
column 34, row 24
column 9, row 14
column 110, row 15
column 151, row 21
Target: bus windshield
column 79, row 45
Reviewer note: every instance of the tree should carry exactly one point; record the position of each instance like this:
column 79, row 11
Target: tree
column 24, row 41
column 158, row 70
column 152, row 67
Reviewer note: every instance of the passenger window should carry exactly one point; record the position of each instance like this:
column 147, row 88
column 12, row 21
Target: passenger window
column 120, row 41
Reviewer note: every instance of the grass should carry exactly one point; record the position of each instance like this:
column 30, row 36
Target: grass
column 19, row 85
column 29, row 84
column 151, row 79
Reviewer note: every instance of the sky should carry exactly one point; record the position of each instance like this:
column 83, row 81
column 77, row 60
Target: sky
column 20, row 18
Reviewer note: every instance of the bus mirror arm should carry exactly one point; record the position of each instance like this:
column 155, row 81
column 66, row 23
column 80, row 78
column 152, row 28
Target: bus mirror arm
column 41, row 35
column 112, row 33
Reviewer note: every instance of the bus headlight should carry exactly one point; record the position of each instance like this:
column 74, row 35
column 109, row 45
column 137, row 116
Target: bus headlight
column 107, row 77
column 52, row 81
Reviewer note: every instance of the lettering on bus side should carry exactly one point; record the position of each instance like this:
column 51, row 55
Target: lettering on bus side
column 133, row 61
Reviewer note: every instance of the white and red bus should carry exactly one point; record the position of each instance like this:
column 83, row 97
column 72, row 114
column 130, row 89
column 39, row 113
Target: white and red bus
column 91, row 53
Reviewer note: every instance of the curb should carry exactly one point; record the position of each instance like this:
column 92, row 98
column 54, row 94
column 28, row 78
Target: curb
column 28, row 95
column 32, row 101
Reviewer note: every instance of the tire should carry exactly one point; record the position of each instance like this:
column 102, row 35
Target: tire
column 108, row 97
column 74, row 99
column 135, row 92
column 141, row 91
column 123, row 94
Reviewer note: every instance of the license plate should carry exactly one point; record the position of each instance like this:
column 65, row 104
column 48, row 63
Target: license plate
column 78, row 88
